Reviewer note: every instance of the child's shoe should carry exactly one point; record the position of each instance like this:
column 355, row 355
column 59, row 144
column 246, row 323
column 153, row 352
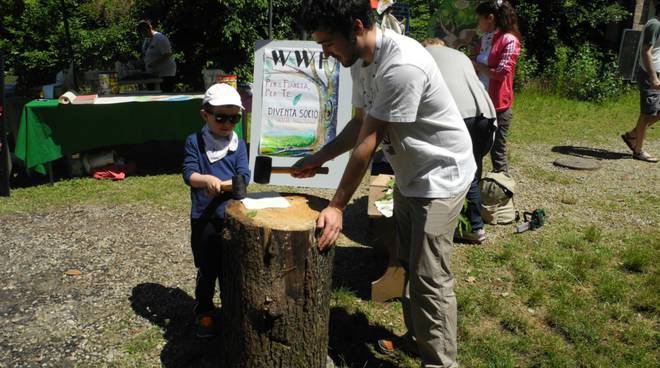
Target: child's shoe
column 205, row 327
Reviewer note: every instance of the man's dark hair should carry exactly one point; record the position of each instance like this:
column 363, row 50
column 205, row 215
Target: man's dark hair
column 144, row 24
column 335, row 15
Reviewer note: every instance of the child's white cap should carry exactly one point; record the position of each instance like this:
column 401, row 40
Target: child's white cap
column 221, row 94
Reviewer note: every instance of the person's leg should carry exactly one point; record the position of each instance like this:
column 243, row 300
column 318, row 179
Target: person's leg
column 431, row 282
column 481, row 133
column 649, row 107
column 498, row 152
column 638, row 134
column 403, row 234
column 206, row 255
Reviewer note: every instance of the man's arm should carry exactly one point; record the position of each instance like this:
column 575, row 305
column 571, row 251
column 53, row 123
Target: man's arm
column 647, row 60
column 330, row 219
column 343, row 142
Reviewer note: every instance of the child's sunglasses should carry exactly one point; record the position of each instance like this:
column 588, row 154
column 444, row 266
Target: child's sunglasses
column 221, row 118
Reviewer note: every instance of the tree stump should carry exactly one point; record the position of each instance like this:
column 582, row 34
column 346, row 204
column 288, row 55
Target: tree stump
column 275, row 286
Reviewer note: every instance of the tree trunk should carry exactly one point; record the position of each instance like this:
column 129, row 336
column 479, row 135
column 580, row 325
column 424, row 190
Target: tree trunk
column 275, row 286
column 641, row 14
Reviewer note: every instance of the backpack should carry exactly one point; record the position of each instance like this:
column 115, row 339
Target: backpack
column 497, row 207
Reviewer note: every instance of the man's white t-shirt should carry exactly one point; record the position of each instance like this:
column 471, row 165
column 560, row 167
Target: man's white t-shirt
column 154, row 48
column 426, row 142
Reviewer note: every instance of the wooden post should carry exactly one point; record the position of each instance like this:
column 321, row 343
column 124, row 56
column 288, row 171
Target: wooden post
column 275, row 286
column 641, row 14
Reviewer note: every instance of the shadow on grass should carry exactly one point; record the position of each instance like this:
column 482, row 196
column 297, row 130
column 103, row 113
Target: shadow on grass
column 588, row 152
column 171, row 310
column 352, row 340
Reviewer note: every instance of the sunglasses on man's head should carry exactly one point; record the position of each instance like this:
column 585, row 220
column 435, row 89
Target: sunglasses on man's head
column 221, row 118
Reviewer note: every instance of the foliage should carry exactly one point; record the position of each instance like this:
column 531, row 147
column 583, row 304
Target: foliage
column 464, row 225
column 584, row 73
column 33, row 33
column 204, row 34
column 527, row 68
column 547, row 25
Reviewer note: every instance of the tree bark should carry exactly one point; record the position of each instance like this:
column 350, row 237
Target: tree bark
column 275, row 286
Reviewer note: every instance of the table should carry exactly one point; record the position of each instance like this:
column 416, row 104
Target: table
column 48, row 130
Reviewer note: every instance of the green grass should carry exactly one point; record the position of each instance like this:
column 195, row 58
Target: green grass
column 539, row 118
column 580, row 292
column 167, row 191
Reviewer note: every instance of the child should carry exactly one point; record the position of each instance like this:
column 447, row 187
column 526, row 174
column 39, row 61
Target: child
column 496, row 65
column 212, row 157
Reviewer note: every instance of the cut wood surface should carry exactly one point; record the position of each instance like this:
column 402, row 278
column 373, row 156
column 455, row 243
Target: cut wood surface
column 302, row 214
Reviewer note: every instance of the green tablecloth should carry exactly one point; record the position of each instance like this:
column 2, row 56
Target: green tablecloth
column 49, row 130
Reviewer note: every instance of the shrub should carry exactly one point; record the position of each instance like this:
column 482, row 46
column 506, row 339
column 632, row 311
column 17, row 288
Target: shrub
column 527, row 68
column 584, row 73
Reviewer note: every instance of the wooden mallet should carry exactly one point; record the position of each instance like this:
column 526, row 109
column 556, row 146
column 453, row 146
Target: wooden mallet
column 263, row 167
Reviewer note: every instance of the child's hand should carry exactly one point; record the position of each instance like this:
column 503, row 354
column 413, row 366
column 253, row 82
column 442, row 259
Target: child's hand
column 213, row 186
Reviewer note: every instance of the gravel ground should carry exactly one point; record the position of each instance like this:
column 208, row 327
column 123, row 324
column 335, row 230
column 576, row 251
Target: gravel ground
column 53, row 319
column 80, row 282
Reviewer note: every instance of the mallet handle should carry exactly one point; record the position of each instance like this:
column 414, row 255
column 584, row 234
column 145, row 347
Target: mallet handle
column 289, row 170
column 226, row 187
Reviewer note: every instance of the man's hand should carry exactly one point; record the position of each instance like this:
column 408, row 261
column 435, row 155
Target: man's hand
column 330, row 221
column 213, row 186
column 655, row 83
column 304, row 168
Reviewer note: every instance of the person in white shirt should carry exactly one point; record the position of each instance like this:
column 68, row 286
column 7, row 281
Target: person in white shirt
column 157, row 55
column 401, row 102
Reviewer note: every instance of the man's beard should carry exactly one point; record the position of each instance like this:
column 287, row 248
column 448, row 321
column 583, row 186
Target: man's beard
column 354, row 56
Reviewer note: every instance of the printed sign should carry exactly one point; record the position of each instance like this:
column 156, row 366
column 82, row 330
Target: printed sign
column 301, row 101
column 299, row 110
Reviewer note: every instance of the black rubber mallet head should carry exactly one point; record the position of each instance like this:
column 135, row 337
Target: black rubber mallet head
column 238, row 187
column 263, row 167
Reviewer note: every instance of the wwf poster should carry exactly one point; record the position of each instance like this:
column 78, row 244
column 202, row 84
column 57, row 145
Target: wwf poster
column 299, row 94
column 301, row 101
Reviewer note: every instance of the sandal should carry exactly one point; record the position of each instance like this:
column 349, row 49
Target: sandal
column 645, row 156
column 628, row 140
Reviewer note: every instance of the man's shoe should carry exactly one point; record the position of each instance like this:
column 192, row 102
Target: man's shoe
column 404, row 343
column 645, row 156
column 473, row 237
column 205, row 327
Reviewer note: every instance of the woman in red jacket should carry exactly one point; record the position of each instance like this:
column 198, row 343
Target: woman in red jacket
column 496, row 65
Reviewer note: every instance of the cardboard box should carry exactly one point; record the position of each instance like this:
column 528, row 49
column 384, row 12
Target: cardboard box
column 378, row 185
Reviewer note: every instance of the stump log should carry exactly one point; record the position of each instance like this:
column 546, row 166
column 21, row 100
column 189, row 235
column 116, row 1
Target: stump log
column 275, row 286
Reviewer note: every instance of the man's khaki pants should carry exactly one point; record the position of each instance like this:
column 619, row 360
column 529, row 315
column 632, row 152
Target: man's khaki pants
column 425, row 230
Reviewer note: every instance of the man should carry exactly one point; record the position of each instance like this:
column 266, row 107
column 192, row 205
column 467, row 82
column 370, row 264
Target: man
column 402, row 102
column 649, row 89
column 479, row 115
column 157, row 55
